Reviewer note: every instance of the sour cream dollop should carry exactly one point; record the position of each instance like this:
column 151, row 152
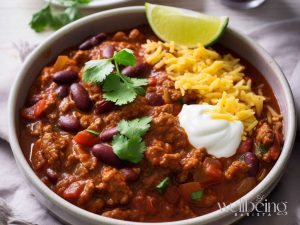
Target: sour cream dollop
column 221, row 138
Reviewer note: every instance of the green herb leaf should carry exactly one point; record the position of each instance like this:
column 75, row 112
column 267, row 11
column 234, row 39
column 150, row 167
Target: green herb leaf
column 128, row 149
column 92, row 131
column 74, row 2
column 262, row 148
column 47, row 18
column 128, row 145
column 117, row 91
column 162, row 186
column 197, row 195
column 97, row 70
column 137, row 82
column 117, row 88
column 134, row 127
column 56, row 127
column 40, row 19
column 124, row 57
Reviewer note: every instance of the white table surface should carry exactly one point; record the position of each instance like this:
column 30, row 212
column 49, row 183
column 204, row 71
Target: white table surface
column 15, row 16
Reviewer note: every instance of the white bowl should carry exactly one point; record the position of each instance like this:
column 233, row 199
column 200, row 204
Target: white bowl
column 119, row 19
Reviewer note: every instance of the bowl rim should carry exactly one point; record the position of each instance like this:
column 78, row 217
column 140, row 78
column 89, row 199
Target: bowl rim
column 92, row 5
column 71, row 209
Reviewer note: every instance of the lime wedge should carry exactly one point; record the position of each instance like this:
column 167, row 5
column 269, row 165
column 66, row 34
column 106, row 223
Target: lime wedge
column 185, row 27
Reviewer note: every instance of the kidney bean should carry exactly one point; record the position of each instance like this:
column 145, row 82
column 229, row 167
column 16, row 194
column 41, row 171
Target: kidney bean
column 245, row 146
column 107, row 135
column 104, row 106
column 129, row 174
column 86, row 45
column 252, row 161
column 62, row 91
column 128, row 71
column 108, row 51
column 65, row 77
column 154, row 99
column 97, row 39
column 81, row 97
column 69, row 123
column 105, row 154
column 52, row 175
column 135, row 71
column 100, row 37
column 32, row 100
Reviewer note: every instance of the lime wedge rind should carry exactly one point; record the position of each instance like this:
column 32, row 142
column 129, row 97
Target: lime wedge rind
column 185, row 27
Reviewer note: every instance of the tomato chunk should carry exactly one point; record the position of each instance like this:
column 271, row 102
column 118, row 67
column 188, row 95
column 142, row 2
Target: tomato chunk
column 74, row 190
column 35, row 111
column 86, row 138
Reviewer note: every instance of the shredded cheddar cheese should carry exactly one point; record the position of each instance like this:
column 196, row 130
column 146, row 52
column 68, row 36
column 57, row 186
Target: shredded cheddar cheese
column 217, row 79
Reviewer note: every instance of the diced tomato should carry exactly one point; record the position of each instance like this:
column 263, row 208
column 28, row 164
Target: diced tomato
column 35, row 111
column 213, row 173
column 74, row 190
column 188, row 188
column 210, row 172
column 86, row 138
column 274, row 151
column 152, row 82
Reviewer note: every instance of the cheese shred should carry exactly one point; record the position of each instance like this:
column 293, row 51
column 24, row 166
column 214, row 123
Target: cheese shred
column 216, row 79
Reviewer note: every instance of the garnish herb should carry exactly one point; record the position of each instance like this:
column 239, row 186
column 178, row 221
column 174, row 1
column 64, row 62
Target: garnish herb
column 49, row 18
column 162, row 186
column 262, row 148
column 71, row 2
column 117, row 88
column 128, row 145
column 197, row 195
column 92, row 131
column 55, row 127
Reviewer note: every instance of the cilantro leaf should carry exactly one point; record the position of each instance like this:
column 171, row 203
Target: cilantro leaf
column 128, row 145
column 97, row 70
column 117, row 88
column 263, row 148
column 117, row 91
column 55, row 20
column 124, row 57
column 138, row 81
column 128, row 149
column 92, row 131
column 40, row 19
column 134, row 127
column 162, row 186
column 197, row 195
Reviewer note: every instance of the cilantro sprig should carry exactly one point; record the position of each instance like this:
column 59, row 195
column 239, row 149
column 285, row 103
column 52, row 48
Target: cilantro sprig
column 92, row 132
column 117, row 88
column 128, row 145
column 262, row 148
column 197, row 195
column 162, row 186
column 49, row 18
